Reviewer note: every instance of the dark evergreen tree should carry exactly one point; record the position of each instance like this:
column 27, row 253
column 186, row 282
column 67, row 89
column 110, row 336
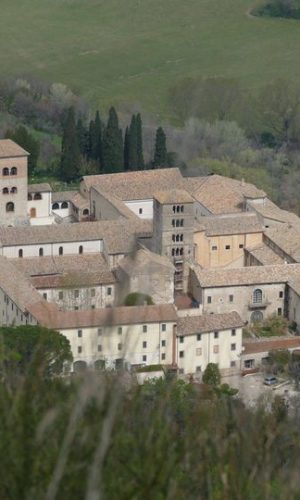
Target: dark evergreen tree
column 126, row 149
column 70, row 152
column 140, row 152
column 112, row 144
column 160, row 153
column 92, row 140
column 133, row 159
column 97, row 147
column 83, row 138
column 26, row 140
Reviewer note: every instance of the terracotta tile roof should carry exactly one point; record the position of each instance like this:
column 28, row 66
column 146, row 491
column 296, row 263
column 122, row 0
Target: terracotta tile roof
column 73, row 280
column 9, row 149
column 118, row 204
column 190, row 325
column 172, row 196
column 126, row 316
column 221, row 195
column 139, row 185
column 226, row 225
column 286, row 237
column 254, row 275
column 63, row 195
column 254, row 346
column 79, row 201
column 265, row 255
column 143, row 259
column 271, row 211
column 39, row 188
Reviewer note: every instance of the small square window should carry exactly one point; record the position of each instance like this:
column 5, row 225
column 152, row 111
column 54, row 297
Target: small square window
column 227, row 247
column 181, row 340
column 120, row 347
column 214, row 247
column 144, row 345
column 163, row 343
column 140, row 210
column 120, row 330
column 233, row 347
column 241, row 245
column 216, row 349
column 144, row 328
column 60, row 295
column 99, row 332
column 209, row 299
column 216, row 335
column 198, row 369
column 280, row 295
column 163, row 327
column 181, row 371
column 79, row 349
column 232, row 364
column 76, row 308
column 181, row 354
column 79, row 333
column 198, row 336
column 93, row 292
column 144, row 358
column 233, row 332
column 279, row 311
column 109, row 289
column 163, row 356
column 76, row 294
column 45, row 296
column 93, row 306
column 199, row 351
column 230, row 298
column 99, row 348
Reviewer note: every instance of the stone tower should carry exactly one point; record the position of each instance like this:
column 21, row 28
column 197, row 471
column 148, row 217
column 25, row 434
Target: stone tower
column 13, row 183
column 173, row 231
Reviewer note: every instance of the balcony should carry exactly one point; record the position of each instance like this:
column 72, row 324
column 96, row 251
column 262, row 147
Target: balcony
column 259, row 305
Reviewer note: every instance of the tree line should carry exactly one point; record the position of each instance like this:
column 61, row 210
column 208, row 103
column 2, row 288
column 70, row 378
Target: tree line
column 98, row 148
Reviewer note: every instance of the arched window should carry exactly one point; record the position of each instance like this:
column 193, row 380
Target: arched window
column 80, row 249
column 14, row 189
column 182, row 208
column 174, row 208
column 5, row 191
column 257, row 296
column 29, row 197
column 86, row 211
column 256, row 316
column 13, row 171
column 181, row 251
column 181, row 237
column 20, row 252
column 41, row 252
column 177, row 251
column 177, row 222
column 173, row 222
column 10, row 207
column 37, row 196
column 178, row 208
column 5, row 171
column 60, row 251
column 64, row 204
column 173, row 237
column 181, row 222
column 177, row 237
column 55, row 206
column 173, row 252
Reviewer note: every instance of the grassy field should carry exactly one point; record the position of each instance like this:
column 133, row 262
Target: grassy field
column 132, row 51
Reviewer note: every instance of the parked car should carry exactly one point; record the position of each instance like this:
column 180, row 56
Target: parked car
column 270, row 380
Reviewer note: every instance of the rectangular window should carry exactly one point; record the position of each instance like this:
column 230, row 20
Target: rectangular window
column 227, row 247
column 216, row 335
column 209, row 299
column 279, row 311
column 280, row 295
column 230, row 298
column 120, row 347
column 232, row 364
column 120, row 330
column 99, row 348
column 109, row 289
column 214, row 247
column 93, row 306
column 216, row 349
column 76, row 294
column 76, row 308
column 144, row 328
column 140, row 210
column 79, row 333
column 60, row 295
column 93, row 292
column 144, row 345
column 181, row 340
column 198, row 336
column 233, row 332
column 240, row 246
column 233, row 347
column 199, row 351
column 163, row 343
column 163, row 327
column 99, row 332
column 181, row 371
column 45, row 296
column 144, row 358
column 249, row 363
column 181, row 354
column 198, row 369
column 163, row 356
column 79, row 349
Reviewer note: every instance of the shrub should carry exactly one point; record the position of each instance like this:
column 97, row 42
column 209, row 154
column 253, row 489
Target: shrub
column 138, row 299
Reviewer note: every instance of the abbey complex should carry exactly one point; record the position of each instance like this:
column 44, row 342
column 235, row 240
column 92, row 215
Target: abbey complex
column 210, row 255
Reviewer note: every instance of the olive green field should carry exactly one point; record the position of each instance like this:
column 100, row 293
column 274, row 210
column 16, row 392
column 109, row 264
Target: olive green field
column 127, row 52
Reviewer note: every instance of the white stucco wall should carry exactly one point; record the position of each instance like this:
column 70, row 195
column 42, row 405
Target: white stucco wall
column 69, row 248
column 146, row 206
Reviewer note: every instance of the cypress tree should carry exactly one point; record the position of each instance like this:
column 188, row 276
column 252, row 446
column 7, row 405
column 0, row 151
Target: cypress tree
column 160, row 153
column 98, row 139
column 133, row 160
column 82, row 138
column 70, row 153
column 140, row 153
column 112, row 144
column 126, row 149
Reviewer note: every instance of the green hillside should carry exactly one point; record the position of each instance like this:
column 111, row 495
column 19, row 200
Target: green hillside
column 133, row 50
